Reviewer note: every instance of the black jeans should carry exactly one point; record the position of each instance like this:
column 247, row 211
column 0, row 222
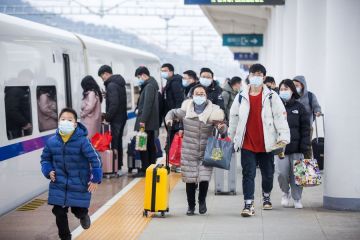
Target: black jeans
column 149, row 156
column 267, row 168
column 62, row 219
column 117, row 131
column 191, row 190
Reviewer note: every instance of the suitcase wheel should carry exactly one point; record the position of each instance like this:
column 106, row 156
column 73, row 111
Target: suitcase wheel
column 163, row 214
column 145, row 213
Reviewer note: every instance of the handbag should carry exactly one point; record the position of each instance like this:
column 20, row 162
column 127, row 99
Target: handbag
column 218, row 152
column 307, row 173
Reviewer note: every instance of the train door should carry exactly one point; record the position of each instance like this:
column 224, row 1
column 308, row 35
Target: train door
column 67, row 79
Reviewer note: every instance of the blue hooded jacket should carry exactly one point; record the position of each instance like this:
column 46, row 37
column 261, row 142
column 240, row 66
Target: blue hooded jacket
column 75, row 163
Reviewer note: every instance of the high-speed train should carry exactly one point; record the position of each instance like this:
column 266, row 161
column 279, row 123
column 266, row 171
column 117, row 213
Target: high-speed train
column 41, row 67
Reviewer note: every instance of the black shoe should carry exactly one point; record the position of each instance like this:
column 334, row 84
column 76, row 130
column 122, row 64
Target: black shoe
column 85, row 222
column 202, row 208
column 138, row 175
column 267, row 205
column 248, row 210
column 190, row 211
column 66, row 237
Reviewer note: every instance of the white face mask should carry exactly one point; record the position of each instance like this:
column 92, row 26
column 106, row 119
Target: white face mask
column 256, row 81
column 205, row 82
column 165, row 75
column 299, row 90
column 285, row 95
column 199, row 100
column 66, row 127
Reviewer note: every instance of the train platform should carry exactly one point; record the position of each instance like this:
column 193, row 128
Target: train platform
column 116, row 213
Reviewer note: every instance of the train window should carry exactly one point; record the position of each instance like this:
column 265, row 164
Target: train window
column 18, row 112
column 47, row 107
column 128, row 97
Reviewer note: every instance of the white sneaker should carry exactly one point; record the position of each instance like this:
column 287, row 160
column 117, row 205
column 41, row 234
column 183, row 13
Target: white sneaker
column 285, row 200
column 298, row 204
column 120, row 173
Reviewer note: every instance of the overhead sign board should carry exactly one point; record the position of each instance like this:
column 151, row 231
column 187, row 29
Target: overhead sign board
column 246, row 56
column 243, row 40
column 235, row 2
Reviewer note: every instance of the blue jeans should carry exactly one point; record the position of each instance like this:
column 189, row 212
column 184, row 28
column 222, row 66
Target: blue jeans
column 248, row 163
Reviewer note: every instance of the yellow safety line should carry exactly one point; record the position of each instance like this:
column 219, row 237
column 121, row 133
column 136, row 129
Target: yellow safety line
column 124, row 220
column 34, row 204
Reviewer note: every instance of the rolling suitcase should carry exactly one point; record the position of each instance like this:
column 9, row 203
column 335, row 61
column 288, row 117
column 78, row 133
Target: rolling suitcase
column 318, row 145
column 108, row 157
column 157, row 188
column 220, row 176
column 133, row 156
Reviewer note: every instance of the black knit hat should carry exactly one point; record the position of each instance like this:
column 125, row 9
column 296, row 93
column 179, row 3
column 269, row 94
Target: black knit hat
column 289, row 83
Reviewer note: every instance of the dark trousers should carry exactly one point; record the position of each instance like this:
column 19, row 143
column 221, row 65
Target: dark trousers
column 117, row 131
column 191, row 190
column 248, row 163
column 62, row 219
column 149, row 156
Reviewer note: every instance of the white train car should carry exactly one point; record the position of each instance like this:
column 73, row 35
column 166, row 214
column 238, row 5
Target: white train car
column 37, row 60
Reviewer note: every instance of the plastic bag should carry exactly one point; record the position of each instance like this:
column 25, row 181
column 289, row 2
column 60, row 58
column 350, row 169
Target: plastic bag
column 218, row 152
column 175, row 150
column 141, row 141
column 101, row 142
column 307, row 173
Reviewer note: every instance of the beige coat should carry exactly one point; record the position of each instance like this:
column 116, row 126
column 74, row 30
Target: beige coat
column 197, row 129
column 91, row 113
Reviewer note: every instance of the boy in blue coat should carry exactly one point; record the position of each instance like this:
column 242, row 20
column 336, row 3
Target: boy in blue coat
column 74, row 168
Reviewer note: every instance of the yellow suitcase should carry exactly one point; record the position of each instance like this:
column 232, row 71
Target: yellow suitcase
column 157, row 189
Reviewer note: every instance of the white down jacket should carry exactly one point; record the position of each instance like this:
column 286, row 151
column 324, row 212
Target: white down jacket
column 273, row 115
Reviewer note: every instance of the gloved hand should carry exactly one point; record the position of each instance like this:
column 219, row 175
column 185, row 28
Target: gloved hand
column 169, row 122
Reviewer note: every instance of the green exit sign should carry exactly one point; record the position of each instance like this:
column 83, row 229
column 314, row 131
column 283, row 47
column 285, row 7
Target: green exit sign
column 243, row 40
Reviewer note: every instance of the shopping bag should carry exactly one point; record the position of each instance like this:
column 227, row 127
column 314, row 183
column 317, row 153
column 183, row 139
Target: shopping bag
column 307, row 173
column 218, row 152
column 141, row 141
column 175, row 150
column 101, row 141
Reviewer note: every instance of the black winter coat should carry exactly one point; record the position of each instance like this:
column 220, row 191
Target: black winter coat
column 299, row 125
column 116, row 101
column 188, row 90
column 173, row 94
column 148, row 106
column 214, row 94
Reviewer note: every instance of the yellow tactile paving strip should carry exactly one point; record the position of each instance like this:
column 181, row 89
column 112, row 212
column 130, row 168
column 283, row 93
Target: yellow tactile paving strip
column 124, row 220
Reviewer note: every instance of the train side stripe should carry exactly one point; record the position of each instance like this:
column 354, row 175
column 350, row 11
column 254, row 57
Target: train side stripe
column 20, row 148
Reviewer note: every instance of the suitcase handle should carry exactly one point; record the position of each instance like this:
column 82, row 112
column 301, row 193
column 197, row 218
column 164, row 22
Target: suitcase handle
column 316, row 126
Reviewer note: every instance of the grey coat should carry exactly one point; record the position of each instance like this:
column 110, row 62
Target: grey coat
column 197, row 129
column 228, row 95
column 304, row 99
column 148, row 106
